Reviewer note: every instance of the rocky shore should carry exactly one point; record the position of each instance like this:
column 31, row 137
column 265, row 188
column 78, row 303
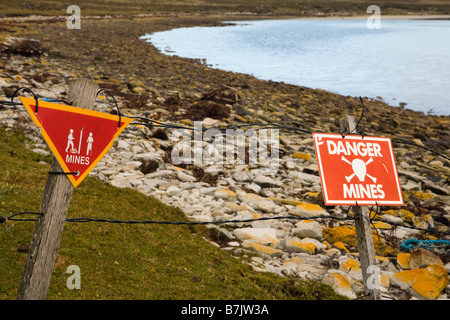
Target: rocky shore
column 181, row 91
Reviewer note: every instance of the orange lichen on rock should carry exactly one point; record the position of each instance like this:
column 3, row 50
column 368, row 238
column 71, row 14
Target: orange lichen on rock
column 350, row 265
column 341, row 246
column 403, row 260
column 301, row 155
column 344, row 234
column 347, row 235
column 427, row 283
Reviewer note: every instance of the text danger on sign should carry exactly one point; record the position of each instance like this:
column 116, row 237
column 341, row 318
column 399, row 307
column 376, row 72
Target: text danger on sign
column 356, row 169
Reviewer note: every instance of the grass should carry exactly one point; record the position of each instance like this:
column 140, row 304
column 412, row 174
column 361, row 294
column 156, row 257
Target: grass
column 123, row 261
column 286, row 7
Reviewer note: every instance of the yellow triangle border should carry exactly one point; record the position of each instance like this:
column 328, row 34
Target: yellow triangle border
column 27, row 102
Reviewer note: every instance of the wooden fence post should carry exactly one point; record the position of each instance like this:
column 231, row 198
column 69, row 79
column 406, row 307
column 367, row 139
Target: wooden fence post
column 363, row 232
column 54, row 206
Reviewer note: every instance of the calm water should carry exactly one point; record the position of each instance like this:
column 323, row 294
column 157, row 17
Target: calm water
column 404, row 61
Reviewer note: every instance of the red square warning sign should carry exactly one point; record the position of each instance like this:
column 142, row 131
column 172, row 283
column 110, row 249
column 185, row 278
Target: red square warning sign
column 357, row 170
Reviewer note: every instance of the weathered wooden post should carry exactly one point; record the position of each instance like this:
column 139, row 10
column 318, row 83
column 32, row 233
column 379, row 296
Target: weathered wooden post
column 363, row 230
column 54, row 206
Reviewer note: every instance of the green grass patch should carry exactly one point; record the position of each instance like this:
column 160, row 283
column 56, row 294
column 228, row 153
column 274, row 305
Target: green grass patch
column 124, row 261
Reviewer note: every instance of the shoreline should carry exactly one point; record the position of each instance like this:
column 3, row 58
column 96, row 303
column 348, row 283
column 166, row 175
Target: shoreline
column 390, row 101
column 383, row 17
column 33, row 17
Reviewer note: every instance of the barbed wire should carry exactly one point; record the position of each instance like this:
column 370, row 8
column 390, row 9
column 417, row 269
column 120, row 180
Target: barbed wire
column 12, row 217
column 151, row 122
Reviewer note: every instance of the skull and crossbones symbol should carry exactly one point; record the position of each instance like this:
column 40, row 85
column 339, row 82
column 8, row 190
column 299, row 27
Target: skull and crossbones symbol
column 359, row 169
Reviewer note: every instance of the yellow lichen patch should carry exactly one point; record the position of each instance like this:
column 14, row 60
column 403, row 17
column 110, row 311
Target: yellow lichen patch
column 311, row 196
column 255, row 215
column 263, row 248
column 340, row 284
column 225, row 193
column 296, row 245
column 426, row 289
column 380, row 247
column 234, row 207
column 350, row 265
column 347, row 235
column 286, row 201
column 240, row 118
column 344, row 234
column 405, row 196
column 427, row 282
column 342, row 281
column 327, row 244
column 341, row 246
column 382, row 259
column 384, row 280
column 187, row 122
column 420, row 195
column 309, row 207
column 262, row 235
column 406, row 215
column 381, row 225
column 301, row 155
column 403, row 260
column 308, row 247
column 424, row 222
column 176, row 168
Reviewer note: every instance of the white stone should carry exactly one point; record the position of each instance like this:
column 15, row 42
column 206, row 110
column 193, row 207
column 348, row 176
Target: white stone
column 242, row 176
column 258, row 202
column 319, row 245
column 340, row 283
column 208, row 122
column 41, row 152
column 200, row 218
column 214, row 170
column 122, row 145
column 173, row 190
column 447, row 267
column 254, row 187
column 159, row 173
column 304, row 177
column 261, row 235
column 225, row 194
column 308, row 229
column 185, row 177
column 265, row 181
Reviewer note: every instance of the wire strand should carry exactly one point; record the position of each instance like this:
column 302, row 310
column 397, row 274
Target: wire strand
column 294, row 217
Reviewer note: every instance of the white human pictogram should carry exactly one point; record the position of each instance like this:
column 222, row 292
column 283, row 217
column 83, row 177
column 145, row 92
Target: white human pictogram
column 90, row 140
column 359, row 169
column 70, row 147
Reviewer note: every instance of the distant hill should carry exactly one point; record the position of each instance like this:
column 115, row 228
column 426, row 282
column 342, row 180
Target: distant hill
column 266, row 7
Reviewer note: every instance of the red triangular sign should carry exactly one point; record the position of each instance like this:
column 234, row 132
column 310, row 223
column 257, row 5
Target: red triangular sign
column 79, row 138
